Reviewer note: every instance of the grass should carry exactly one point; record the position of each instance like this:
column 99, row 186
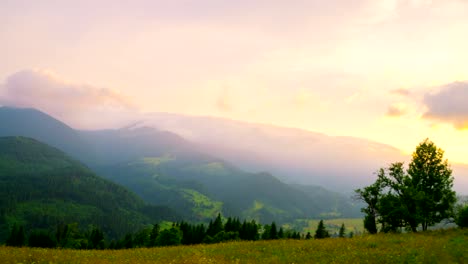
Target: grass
column 446, row 246
column 355, row 225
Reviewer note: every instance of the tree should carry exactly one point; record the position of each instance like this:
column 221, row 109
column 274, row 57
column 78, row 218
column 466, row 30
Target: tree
column 420, row 196
column 215, row 227
column 96, row 239
column 154, row 235
column 281, row 233
column 169, row 237
column 342, row 231
column 321, row 231
column 431, row 177
column 17, row 237
column 273, row 231
column 462, row 217
column 41, row 239
column 308, row 236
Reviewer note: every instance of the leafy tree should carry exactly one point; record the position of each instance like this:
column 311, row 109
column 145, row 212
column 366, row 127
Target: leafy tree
column 431, row 177
column 321, row 231
column 420, row 196
column 308, row 236
column 169, row 237
column 342, row 231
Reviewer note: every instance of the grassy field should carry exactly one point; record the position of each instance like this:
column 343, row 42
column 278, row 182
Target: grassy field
column 354, row 225
column 449, row 246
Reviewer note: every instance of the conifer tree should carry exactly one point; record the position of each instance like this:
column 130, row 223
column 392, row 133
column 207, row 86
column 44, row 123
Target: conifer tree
column 342, row 231
column 321, row 231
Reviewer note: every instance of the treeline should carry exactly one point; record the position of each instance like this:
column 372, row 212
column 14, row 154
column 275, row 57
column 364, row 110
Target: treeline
column 180, row 233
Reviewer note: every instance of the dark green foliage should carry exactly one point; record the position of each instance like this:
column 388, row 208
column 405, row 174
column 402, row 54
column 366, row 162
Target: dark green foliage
column 96, row 239
column 17, row 237
column 215, row 227
column 273, row 231
column 308, row 236
column 41, row 239
column 321, row 231
column 342, row 231
column 169, row 237
column 40, row 186
column 154, row 235
column 462, row 217
column 370, row 224
column 419, row 197
column 281, row 233
column 249, row 230
column 177, row 175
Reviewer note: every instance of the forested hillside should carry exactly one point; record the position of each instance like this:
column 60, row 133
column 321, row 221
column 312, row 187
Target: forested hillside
column 41, row 187
column 166, row 170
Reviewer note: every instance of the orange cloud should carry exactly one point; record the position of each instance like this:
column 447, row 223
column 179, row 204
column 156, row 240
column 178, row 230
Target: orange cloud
column 396, row 110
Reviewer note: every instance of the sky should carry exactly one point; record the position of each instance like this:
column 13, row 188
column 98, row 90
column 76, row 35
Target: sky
column 391, row 71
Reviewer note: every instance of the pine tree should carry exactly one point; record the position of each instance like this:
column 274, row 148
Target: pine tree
column 308, row 236
column 281, row 233
column 154, row 235
column 273, row 231
column 342, row 231
column 321, row 231
column 216, row 226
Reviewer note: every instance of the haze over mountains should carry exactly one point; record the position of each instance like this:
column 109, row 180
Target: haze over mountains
column 165, row 169
column 294, row 155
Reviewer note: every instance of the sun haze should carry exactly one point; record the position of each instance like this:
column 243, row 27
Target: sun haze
column 390, row 71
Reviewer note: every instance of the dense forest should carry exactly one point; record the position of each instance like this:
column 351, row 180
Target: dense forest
column 40, row 187
column 179, row 233
column 164, row 169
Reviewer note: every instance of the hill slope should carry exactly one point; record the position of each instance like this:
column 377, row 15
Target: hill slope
column 165, row 169
column 41, row 187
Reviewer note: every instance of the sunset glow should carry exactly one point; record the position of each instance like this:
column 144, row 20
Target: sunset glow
column 392, row 71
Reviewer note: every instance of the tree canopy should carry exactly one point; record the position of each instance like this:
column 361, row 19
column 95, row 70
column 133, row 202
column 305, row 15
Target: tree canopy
column 419, row 196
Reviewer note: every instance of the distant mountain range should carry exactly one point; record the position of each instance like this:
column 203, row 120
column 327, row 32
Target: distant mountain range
column 166, row 170
column 41, row 187
column 294, row 155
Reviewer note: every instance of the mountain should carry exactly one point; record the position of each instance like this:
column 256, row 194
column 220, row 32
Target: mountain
column 29, row 122
column 41, row 187
column 165, row 169
column 296, row 156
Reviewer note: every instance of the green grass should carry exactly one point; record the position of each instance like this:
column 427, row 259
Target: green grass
column 354, row 225
column 447, row 246
column 203, row 206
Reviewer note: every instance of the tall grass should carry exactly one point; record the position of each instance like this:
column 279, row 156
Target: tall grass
column 444, row 246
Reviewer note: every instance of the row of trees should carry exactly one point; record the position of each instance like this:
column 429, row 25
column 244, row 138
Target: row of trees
column 180, row 233
column 414, row 198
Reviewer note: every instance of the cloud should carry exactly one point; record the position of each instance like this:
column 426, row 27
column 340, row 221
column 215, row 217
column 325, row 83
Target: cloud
column 401, row 92
column 82, row 106
column 396, row 110
column 449, row 104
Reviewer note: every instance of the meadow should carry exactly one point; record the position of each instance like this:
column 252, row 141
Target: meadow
column 443, row 246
